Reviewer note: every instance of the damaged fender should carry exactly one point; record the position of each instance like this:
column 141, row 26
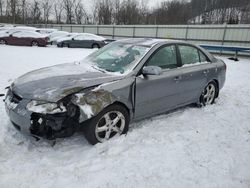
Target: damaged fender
column 94, row 101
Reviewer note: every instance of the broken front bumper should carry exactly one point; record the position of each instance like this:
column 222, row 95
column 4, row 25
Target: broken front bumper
column 18, row 114
column 49, row 126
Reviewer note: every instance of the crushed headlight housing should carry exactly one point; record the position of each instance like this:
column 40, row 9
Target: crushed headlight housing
column 45, row 107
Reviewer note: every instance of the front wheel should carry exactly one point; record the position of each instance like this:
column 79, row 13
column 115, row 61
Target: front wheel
column 112, row 121
column 95, row 46
column 2, row 41
column 209, row 94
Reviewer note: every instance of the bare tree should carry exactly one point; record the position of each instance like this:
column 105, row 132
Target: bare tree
column 80, row 13
column 129, row 12
column 24, row 10
column 143, row 11
column 104, row 11
column 69, row 7
column 58, row 9
column 35, row 12
column 2, row 3
column 117, row 6
column 47, row 7
column 13, row 9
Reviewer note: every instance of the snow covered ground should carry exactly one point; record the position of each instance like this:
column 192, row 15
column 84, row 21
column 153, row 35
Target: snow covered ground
column 191, row 147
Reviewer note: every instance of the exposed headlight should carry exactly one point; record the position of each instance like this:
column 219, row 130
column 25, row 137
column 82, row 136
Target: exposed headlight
column 45, row 107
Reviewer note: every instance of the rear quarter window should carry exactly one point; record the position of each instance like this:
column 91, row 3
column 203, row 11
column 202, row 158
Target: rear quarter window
column 203, row 58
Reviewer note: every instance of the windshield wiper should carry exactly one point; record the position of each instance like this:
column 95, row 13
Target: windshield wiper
column 98, row 69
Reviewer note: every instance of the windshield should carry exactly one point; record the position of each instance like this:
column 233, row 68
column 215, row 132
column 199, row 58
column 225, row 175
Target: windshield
column 117, row 57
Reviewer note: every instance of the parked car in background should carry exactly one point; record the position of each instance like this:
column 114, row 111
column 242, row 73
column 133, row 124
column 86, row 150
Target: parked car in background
column 83, row 40
column 62, row 38
column 6, row 33
column 46, row 30
column 53, row 37
column 5, row 28
column 6, row 25
column 10, row 30
column 24, row 28
column 25, row 38
column 125, row 81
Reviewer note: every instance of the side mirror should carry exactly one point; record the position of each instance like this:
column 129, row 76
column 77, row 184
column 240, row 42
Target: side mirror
column 11, row 35
column 151, row 70
column 73, row 39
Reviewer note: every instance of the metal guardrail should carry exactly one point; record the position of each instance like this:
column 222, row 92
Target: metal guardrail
column 221, row 48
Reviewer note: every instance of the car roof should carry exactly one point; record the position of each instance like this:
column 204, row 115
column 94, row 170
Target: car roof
column 150, row 42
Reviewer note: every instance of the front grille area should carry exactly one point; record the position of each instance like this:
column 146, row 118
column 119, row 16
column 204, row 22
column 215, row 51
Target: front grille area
column 14, row 98
column 16, row 126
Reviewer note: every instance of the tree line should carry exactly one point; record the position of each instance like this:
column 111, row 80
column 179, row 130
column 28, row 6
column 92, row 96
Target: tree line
column 122, row 12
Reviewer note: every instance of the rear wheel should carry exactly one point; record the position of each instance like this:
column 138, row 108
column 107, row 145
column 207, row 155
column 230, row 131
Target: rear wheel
column 34, row 43
column 112, row 121
column 209, row 94
column 2, row 41
column 95, row 46
column 65, row 45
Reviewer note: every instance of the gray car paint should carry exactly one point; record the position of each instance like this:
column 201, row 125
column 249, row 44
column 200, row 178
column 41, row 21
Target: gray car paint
column 81, row 43
column 53, row 87
column 143, row 96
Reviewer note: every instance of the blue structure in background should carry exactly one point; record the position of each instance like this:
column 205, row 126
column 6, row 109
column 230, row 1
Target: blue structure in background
column 221, row 48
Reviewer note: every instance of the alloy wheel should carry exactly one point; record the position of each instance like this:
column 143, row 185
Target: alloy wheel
column 34, row 43
column 2, row 41
column 109, row 125
column 209, row 94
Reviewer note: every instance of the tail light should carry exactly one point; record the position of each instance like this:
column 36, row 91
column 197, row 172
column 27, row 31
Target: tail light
column 225, row 65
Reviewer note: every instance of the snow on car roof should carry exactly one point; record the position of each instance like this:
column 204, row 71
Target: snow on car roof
column 29, row 34
column 145, row 41
column 25, row 28
column 47, row 29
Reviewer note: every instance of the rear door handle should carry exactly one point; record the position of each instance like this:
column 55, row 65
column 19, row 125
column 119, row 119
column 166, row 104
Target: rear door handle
column 206, row 71
column 177, row 78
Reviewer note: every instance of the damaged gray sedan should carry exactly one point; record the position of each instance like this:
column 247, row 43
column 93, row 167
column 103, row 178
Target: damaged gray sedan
column 125, row 81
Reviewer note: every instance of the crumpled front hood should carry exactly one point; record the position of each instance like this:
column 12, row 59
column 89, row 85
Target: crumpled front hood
column 56, row 82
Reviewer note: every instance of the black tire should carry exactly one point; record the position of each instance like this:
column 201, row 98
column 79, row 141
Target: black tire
column 209, row 100
column 59, row 45
column 96, row 46
column 2, row 41
column 90, row 131
column 65, row 45
column 34, row 43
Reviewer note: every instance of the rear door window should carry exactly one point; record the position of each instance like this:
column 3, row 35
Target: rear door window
column 189, row 55
column 17, row 34
column 80, row 37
